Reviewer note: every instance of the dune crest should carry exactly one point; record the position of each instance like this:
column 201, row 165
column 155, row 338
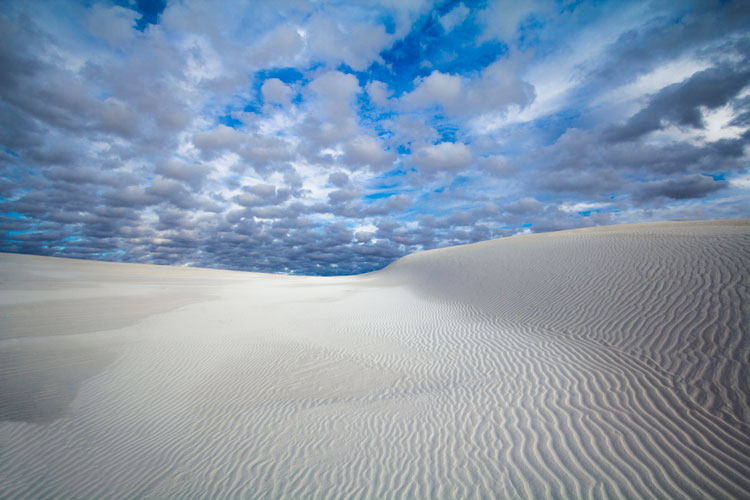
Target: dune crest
column 608, row 362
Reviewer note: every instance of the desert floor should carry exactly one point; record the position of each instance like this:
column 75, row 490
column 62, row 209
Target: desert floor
column 611, row 362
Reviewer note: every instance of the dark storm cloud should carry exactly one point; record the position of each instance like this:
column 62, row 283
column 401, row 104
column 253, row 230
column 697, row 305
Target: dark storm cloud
column 682, row 103
column 669, row 33
column 581, row 162
column 679, row 188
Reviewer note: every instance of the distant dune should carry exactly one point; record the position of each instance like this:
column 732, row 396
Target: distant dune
column 610, row 362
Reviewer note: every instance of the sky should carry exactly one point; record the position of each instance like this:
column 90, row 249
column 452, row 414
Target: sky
column 333, row 137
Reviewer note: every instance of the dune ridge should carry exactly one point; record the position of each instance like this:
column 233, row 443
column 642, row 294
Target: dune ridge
column 596, row 363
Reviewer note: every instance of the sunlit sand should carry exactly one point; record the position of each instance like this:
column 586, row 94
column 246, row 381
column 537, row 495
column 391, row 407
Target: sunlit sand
column 605, row 362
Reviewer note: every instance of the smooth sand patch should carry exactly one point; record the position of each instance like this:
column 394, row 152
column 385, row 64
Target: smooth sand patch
column 598, row 363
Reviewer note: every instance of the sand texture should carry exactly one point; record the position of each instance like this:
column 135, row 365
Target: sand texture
column 610, row 362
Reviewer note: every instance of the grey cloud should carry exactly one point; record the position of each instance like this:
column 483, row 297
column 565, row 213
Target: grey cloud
column 581, row 162
column 131, row 196
column 90, row 175
column 459, row 218
column 498, row 86
column 527, row 205
column 333, row 41
column 743, row 117
column 338, row 179
column 681, row 103
column 264, row 190
column 668, row 36
column 488, row 209
column 259, row 195
column 275, row 91
column 495, row 164
column 385, row 206
column 172, row 191
column 344, row 194
column 217, row 140
column 171, row 218
column 262, row 151
column 257, row 151
column 366, row 151
column 679, row 188
column 443, row 156
column 192, row 174
column 363, row 236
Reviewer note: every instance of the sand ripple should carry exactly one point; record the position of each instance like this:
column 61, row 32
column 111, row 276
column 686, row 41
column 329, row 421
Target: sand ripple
column 606, row 363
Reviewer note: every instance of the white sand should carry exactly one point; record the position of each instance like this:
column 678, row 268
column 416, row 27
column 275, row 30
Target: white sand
column 600, row 363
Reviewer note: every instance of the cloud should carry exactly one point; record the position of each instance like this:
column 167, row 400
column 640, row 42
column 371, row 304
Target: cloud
column 279, row 47
column 274, row 91
column 338, row 179
column 437, row 88
column 343, row 194
column 363, row 236
column 526, row 205
column 443, row 156
column 333, row 137
column 366, row 151
column 193, row 175
column 498, row 86
column 258, row 151
column 378, row 93
column 684, row 103
column 218, row 139
column 668, row 33
column 495, row 164
column 113, row 24
column 355, row 44
column 455, row 17
column 679, row 188
column 502, row 19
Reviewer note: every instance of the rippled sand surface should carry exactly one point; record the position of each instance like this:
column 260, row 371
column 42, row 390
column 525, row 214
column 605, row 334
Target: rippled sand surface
column 611, row 362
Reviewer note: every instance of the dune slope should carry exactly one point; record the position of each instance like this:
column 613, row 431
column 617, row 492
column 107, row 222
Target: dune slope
column 599, row 363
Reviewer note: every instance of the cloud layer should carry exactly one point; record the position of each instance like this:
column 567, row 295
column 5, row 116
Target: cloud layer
column 333, row 137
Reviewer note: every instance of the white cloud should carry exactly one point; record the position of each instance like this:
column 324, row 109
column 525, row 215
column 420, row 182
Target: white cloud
column 582, row 207
column 330, row 117
column 437, row 88
column 332, row 37
column 718, row 123
column 378, row 92
column 497, row 87
column 741, row 182
column 502, row 19
column 455, row 17
column 632, row 93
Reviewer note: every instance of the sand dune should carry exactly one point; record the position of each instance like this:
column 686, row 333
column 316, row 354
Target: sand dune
column 599, row 363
